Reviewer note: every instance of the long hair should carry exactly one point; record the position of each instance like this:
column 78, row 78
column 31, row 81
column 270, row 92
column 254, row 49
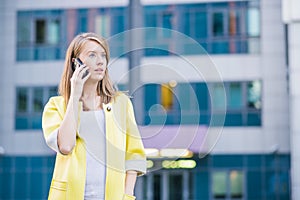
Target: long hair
column 105, row 87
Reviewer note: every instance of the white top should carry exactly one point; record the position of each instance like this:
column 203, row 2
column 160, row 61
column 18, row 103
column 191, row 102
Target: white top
column 92, row 130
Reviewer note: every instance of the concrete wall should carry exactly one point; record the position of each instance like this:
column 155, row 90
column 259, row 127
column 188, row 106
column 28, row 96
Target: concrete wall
column 294, row 68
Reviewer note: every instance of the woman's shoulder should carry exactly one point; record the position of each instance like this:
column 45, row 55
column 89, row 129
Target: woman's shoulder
column 121, row 96
column 57, row 100
column 55, row 103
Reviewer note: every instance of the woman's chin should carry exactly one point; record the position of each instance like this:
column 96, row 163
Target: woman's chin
column 96, row 77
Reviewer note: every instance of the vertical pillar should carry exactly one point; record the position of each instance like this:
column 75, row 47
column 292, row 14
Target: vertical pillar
column 185, row 184
column 150, row 181
column 2, row 56
column 165, row 185
column 291, row 16
column 294, row 82
column 136, row 41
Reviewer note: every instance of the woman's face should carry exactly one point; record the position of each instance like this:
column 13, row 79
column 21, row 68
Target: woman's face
column 94, row 57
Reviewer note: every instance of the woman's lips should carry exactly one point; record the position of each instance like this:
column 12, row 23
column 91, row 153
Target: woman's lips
column 99, row 70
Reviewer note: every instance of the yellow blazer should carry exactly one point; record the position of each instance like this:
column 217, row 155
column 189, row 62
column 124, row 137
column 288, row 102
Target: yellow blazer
column 124, row 151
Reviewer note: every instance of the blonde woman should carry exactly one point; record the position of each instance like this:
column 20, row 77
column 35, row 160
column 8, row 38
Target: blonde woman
column 92, row 128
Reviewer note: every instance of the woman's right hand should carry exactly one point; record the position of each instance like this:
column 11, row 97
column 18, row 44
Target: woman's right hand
column 77, row 81
column 66, row 138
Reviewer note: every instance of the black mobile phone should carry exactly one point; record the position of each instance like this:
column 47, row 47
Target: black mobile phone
column 76, row 63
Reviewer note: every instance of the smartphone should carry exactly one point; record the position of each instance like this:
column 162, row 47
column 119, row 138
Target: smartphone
column 76, row 63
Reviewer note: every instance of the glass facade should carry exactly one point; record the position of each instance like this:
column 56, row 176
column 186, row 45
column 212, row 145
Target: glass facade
column 217, row 177
column 220, row 28
column 182, row 103
column 170, row 103
column 247, row 177
column 26, row 177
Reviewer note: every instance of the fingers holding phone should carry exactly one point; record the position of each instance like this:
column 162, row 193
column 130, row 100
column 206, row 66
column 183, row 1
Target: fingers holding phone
column 80, row 75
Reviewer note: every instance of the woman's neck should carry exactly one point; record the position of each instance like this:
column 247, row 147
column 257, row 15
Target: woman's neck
column 90, row 91
column 90, row 99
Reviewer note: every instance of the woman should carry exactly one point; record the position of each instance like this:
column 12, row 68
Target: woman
column 92, row 128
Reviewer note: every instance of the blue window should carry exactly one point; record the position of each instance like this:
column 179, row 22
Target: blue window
column 40, row 35
column 200, row 18
column 218, row 24
column 167, row 18
column 171, row 103
column 228, row 184
column 203, row 101
column 110, row 22
column 82, row 20
column 151, row 102
column 221, row 28
column 192, row 103
column 161, row 104
column 201, row 187
column 240, row 97
column 30, row 104
column 235, row 98
column 161, row 39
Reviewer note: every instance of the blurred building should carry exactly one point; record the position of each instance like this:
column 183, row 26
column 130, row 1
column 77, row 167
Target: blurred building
column 249, row 44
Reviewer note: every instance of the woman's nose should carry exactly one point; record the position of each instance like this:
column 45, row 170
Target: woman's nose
column 100, row 60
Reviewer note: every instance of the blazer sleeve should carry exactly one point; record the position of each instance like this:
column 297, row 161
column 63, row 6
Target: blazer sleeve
column 135, row 153
column 51, row 121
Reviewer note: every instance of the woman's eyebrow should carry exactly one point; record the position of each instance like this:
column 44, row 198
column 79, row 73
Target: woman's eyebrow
column 94, row 51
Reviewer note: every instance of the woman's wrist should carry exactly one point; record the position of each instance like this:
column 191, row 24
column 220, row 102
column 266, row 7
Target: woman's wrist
column 130, row 182
column 129, row 191
column 74, row 97
column 128, row 197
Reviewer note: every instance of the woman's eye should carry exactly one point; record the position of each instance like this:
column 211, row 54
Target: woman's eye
column 92, row 55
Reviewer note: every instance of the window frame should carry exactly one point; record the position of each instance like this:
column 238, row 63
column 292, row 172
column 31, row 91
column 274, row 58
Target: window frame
column 227, row 171
column 30, row 113
column 243, row 112
column 37, row 51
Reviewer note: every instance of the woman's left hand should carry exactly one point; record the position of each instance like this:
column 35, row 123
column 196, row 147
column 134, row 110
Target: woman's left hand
column 128, row 197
